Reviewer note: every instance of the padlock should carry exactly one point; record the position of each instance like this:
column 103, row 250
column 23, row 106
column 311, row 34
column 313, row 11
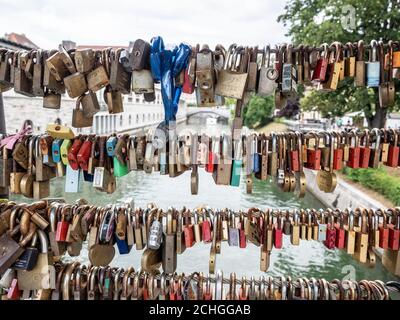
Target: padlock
column 205, row 94
column 359, row 80
column 394, row 230
column 268, row 75
column 51, row 100
column 373, row 67
column 289, row 73
column 394, row 149
column 84, row 60
column 75, row 84
column 383, row 231
column 113, row 100
column 349, row 61
column 120, row 79
column 376, row 150
column 314, row 155
column 365, row 151
column 73, row 153
column 231, row 83
column 335, row 67
column 97, row 79
column 79, row 120
column 354, row 152
column 320, row 70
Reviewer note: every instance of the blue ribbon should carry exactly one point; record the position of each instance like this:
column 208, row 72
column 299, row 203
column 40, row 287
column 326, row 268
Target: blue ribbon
column 165, row 66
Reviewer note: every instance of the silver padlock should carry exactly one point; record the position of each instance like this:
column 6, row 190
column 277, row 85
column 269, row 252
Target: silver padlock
column 155, row 233
column 322, row 226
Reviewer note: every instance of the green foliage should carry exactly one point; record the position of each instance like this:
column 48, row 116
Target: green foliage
column 258, row 111
column 314, row 22
column 378, row 180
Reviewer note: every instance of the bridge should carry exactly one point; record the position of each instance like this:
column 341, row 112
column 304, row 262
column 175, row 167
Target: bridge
column 214, row 112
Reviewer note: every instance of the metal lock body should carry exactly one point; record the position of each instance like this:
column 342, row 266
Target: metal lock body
column 231, row 83
column 75, row 84
column 90, row 104
column 97, row 79
column 354, row 152
column 268, row 75
column 205, row 78
column 79, row 119
column 113, row 100
column 120, row 79
column 57, row 67
column 22, row 84
column 155, row 232
column 320, row 70
column 38, row 73
column 51, row 100
column 139, row 57
column 335, row 67
column 349, row 61
column 142, row 81
column 84, row 60
column 373, row 67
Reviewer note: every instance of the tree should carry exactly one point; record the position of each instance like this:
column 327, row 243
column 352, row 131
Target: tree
column 258, row 111
column 313, row 22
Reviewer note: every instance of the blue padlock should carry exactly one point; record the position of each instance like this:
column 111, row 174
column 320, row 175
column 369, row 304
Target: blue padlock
column 255, row 155
column 55, row 149
column 110, row 146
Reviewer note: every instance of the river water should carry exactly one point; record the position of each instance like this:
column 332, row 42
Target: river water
column 309, row 259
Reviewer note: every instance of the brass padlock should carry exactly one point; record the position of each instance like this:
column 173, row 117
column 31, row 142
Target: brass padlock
column 75, row 84
column 79, row 120
column 90, row 104
column 113, row 100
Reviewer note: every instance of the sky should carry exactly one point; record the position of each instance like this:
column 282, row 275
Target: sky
column 116, row 22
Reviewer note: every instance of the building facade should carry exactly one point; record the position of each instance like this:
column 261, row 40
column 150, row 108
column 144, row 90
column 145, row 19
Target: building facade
column 138, row 114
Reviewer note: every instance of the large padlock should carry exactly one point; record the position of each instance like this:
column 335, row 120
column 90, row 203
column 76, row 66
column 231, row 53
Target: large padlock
column 120, row 79
column 268, row 75
column 79, row 120
column 373, row 67
column 142, row 81
column 75, row 84
column 231, row 83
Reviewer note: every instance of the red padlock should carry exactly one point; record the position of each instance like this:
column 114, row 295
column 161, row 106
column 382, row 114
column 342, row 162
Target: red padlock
column 187, row 86
column 337, row 153
column 242, row 233
column 13, row 292
column 243, row 291
column 330, row 232
column 365, row 151
column 213, row 155
column 393, row 154
column 73, row 153
column 314, row 155
column 394, row 230
column 383, row 231
column 188, row 232
column 207, row 295
column 340, row 232
column 206, row 230
column 84, row 154
column 62, row 228
column 320, row 71
column 354, row 152
column 278, row 233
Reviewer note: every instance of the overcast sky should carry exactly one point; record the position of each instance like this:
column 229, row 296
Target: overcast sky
column 116, row 22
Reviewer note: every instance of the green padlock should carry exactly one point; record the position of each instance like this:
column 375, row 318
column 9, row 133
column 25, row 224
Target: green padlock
column 120, row 169
column 237, row 163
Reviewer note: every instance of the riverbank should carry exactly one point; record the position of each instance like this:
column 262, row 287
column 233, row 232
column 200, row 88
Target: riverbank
column 272, row 127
